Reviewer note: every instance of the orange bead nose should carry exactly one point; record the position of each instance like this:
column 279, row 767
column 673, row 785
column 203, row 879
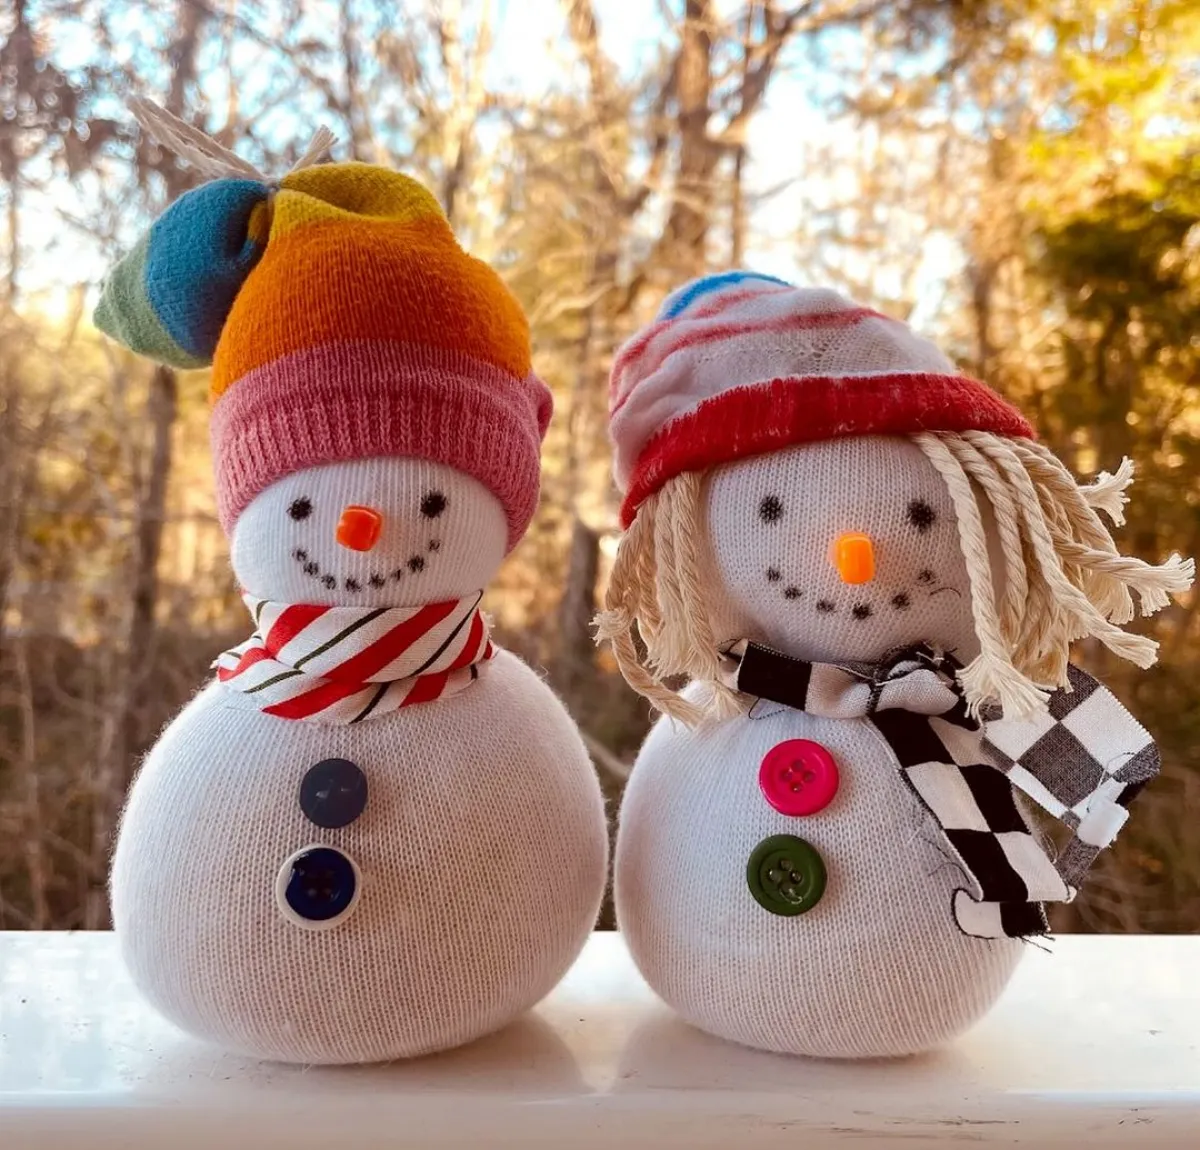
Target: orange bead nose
column 854, row 557
column 359, row 528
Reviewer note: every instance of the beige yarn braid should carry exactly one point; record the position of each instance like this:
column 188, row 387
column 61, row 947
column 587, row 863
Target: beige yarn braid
column 1040, row 645
column 656, row 585
column 631, row 599
column 1074, row 521
column 211, row 159
column 1153, row 585
column 1064, row 579
column 1072, row 614
column 1016, row 584
column 991, row 675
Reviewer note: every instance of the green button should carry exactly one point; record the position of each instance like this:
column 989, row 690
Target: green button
column 786, row 875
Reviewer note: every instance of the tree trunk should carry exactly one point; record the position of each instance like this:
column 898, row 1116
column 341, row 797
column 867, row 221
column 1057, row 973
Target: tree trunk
column 691, row 208
column 14, row 238
column 161, row 409
column 128, row 731
column 578, row 608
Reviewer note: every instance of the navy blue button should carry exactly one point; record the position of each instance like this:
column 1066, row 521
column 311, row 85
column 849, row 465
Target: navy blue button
column 318, row 885
column 333, row 793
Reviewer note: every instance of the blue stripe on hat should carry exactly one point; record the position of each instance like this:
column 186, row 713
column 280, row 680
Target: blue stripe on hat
column 675, row 305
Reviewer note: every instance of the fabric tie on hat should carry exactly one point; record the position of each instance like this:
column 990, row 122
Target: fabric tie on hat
column 342, row 321
column 739, row 364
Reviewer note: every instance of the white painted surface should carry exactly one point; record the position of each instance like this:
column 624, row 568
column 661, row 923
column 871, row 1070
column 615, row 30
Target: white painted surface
column 1095, row 1045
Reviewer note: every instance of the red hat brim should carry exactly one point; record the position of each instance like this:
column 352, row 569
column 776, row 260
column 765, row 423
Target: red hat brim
column 787, row 411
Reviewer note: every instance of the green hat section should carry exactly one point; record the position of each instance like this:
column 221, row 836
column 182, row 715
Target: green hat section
column 169, row 297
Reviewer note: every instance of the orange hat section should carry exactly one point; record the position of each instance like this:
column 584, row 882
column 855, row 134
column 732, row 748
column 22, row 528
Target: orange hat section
column 360, row 253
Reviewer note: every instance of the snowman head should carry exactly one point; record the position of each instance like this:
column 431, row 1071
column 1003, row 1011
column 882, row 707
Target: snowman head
column 376, row 421
column 845, row 550
column 382, row 532
column 807, row 473
column 838, row 551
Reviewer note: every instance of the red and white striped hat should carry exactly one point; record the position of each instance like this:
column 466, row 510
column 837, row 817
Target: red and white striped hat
column 741, row 364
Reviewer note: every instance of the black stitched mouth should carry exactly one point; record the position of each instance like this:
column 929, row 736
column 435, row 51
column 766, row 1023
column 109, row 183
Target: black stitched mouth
column 939, row 590
column 825, row 606
column 862, row 611
column 313, row 570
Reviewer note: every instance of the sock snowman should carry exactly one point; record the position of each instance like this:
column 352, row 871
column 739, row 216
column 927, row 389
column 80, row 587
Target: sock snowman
column 374, row 834
column 871, row 573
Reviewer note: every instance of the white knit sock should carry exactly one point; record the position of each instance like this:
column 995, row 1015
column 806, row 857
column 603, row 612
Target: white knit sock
column 480, row 852
column 878, row 966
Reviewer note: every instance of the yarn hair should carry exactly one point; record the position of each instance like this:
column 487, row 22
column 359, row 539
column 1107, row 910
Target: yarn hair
column 1063, row 579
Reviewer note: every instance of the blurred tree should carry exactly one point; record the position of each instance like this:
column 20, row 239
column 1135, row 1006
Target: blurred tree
column 1017, row 176
column 1045, row 153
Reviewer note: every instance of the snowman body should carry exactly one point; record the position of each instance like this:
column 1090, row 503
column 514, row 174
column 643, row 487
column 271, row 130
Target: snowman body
column 465, row 874
column 875, row 963
column 480, row 861
column 878, row 966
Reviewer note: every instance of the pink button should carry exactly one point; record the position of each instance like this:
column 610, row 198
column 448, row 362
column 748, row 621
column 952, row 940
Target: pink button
column 798, row 777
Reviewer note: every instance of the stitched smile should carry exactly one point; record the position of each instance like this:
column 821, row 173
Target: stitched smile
column 901, row 601
column 414, row 565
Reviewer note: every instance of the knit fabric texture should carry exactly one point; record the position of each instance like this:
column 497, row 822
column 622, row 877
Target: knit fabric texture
column 168, row 298
column 328, row 891
column 481, row 855
column 443, row 535
column 739, row 364
column 352, row 326
column 879, row 966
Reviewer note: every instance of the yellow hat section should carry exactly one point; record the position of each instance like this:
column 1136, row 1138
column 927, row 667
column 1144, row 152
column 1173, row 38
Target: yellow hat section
column 357, row 252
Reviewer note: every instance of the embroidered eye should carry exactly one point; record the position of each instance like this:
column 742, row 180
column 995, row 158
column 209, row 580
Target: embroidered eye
column 301, row 508
column 433, row 505
column 921, row 515
column 770, row 510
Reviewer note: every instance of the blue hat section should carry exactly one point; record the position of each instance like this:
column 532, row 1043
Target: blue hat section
column 678, row 302
column 200, row 252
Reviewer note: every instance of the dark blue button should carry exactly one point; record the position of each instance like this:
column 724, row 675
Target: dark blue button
column 333, row 793
column 318, row 885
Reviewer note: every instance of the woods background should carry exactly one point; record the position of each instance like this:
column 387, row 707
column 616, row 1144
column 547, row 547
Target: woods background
column 1018, row 178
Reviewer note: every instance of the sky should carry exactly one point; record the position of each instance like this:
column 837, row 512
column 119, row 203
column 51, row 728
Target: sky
column 529, row 54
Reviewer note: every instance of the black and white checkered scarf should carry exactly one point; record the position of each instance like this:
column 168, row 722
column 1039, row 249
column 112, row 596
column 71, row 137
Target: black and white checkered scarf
column 1082, row 760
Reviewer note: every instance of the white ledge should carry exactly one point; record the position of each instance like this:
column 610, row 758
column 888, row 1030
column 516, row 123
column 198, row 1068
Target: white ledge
column 1093, row 1045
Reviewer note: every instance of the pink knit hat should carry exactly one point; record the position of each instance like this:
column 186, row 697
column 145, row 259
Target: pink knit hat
column 342, row 321
column 741, row 364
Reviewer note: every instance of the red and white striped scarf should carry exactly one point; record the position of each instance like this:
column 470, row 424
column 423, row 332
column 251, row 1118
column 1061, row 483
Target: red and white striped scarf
column 343, row 664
